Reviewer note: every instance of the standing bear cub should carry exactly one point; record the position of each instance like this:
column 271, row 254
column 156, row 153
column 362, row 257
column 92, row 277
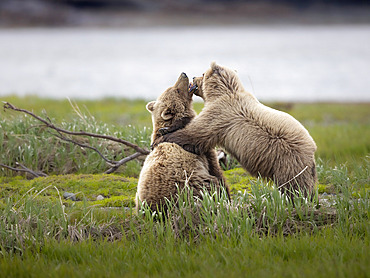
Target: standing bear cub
column 169, row 167
column 265, row 141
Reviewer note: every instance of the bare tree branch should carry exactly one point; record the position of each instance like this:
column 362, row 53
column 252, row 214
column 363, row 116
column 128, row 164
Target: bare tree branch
column 47, row 122
column 24, row 169
column 122, row 161
column 61, row 137
column 7, row 105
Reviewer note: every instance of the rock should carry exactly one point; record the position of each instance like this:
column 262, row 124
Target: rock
column 100, row 197
column 69, row 196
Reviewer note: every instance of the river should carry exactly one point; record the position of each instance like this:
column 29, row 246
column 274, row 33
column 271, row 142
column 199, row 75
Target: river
column 276, row 63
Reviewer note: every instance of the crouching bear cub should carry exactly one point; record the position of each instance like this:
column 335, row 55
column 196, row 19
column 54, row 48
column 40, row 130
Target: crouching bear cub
column 265, row 141
column 169, row 165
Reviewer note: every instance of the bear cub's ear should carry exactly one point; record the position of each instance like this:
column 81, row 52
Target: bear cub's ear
column 167, row 114
column 150, row 106
column 214, row 66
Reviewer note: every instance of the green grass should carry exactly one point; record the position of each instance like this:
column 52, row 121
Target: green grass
column 259, row 233
column 326, row 255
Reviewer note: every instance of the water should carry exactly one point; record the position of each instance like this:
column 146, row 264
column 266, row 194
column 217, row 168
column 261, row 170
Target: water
column 277, row 63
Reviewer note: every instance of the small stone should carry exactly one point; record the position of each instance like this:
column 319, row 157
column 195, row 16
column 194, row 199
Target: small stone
column 100, row 197
column 69, row 196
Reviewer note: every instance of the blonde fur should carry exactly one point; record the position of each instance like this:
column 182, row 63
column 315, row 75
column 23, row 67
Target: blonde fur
column 265, row 141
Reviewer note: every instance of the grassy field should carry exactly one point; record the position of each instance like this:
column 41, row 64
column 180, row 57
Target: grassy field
column 259, row 233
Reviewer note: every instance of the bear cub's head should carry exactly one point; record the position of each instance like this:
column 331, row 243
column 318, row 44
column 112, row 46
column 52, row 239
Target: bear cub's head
column 217, row 80
column 173, row 109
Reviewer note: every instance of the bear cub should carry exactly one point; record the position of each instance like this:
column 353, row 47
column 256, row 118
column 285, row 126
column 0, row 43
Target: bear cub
column 265, row 141
column 169, row 167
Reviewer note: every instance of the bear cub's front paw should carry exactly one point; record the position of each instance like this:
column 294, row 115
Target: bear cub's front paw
column 163, row 131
